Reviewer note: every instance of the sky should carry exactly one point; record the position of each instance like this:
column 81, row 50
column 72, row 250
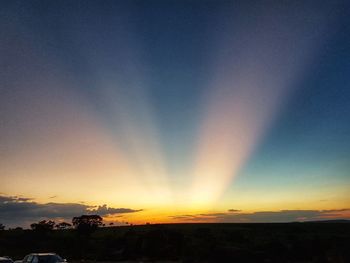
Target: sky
column 174, row 111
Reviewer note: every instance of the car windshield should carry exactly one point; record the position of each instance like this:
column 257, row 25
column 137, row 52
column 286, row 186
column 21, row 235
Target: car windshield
column 50, row 259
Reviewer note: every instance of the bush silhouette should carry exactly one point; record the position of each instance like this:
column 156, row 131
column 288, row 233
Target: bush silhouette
column 43, row 226
column 87, row 224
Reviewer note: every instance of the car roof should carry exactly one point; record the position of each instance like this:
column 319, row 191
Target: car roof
column 44, row 254
column 4, row 258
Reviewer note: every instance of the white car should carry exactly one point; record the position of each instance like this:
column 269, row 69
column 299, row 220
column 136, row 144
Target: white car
column 43, row 258
column 5, row 260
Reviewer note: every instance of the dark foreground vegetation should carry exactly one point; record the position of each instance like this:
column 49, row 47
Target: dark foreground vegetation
column 293, row 242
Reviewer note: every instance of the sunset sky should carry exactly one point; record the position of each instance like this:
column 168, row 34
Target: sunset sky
column 174, row 111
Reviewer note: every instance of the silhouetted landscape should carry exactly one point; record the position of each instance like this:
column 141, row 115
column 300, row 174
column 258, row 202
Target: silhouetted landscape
column 265, row 242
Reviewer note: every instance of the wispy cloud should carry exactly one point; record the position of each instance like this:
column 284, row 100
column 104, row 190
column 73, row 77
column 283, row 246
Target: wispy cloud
column 233, row 210
column 266, row 216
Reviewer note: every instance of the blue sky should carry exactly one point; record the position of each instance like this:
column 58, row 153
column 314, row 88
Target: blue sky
column 195, row 101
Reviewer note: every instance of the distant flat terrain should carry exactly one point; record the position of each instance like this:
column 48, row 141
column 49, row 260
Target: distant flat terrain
column 273, row 242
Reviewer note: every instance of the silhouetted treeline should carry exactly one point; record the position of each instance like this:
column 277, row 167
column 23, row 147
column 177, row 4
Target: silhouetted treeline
column 85, row 225
column 293, row 242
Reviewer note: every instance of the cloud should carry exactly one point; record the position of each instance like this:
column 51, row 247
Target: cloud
column 6, row 199
column 20, row 211
column 184, row 217
column 104, row 210
column 233, row 210
column 234, row 215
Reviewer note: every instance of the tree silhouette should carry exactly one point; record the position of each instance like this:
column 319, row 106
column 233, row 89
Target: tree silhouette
column 2, row 227
column 43, row 226
column 63, row 225
column 87, row 224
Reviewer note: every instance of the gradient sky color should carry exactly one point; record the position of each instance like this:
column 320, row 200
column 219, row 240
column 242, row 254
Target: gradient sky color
column 181, row 109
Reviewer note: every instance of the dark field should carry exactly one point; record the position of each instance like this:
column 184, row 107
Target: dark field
column 292, row 242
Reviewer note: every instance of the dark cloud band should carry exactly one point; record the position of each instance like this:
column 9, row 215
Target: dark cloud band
column 266, row 216
column 19, row 211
